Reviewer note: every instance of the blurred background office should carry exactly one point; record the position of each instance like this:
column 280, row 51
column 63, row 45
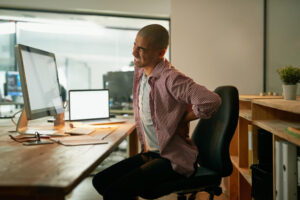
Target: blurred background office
column 240, row 43
column 92, row 50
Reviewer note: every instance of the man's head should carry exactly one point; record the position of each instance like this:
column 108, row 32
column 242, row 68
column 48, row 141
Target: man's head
column 150, row 45
column 158, row 34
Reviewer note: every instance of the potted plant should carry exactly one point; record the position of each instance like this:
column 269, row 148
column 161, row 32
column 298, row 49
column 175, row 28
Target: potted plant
column 290, row 76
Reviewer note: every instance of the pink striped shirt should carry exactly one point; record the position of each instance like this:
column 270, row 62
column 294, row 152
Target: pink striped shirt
column 171, row 93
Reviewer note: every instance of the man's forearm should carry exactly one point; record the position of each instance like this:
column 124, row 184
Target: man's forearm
column 190, row 116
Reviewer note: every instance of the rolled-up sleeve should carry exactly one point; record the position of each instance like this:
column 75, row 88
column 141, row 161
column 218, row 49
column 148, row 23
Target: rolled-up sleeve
column 206, row 110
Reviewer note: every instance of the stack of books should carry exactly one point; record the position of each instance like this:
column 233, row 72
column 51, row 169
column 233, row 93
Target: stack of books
column 293, row 131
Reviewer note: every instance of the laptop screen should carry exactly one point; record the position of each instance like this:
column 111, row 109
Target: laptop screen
column 88, row 104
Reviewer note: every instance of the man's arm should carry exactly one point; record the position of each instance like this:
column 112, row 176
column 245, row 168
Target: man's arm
column 189, row 116
column 204, row 102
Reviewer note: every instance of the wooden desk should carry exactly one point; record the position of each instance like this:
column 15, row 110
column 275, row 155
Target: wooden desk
column 51, row 171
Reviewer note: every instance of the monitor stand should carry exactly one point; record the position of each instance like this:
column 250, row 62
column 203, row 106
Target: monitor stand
column 58, row 128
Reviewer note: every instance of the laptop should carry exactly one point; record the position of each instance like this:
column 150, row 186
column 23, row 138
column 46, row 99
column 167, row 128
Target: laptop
column 90, row 106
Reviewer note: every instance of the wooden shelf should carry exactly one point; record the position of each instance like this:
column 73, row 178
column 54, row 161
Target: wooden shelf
column 246, row 114
column 275, row 116
column 277, row 127
column 280, row 104
column 271, row 113
column 246, row 174
column 235, row 161
column 251, row 97
column 243, row 171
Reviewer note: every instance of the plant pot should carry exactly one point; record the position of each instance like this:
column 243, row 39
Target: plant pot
column 289, row 92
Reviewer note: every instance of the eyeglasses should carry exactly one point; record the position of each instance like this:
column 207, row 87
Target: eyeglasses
column 28, row 138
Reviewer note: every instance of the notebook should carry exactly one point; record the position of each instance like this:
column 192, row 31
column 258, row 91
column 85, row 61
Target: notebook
column 90, row 106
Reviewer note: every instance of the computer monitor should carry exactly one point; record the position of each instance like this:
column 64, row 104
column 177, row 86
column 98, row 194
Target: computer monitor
column 40, row 86
column 119, row 84
column 13, row 84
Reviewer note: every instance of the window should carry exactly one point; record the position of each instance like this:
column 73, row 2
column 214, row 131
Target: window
column 92, row 51
column 7, row 41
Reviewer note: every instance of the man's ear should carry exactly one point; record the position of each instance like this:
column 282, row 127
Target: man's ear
column 162, row 52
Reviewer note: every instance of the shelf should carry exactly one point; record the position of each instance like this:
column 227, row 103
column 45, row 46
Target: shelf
column 235, row 161
column 277, row 127
column 246, row 174
column 243, row 171
column 246, row 114
column 271, row 113
column 280, row 104
column 251, row 97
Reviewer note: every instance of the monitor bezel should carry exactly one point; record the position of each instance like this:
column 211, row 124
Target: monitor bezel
column 38, row 113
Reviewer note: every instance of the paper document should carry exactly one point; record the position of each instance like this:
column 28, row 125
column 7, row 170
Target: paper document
column 80, row 131
column 98, row 137
column 78, row 140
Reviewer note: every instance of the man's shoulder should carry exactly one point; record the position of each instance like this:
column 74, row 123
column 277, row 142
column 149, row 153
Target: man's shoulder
column 172, row 72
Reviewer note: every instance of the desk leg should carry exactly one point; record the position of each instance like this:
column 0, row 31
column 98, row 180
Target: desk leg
column 133, row 143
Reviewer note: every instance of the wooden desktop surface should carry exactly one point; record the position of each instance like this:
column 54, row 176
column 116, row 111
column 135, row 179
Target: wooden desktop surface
column 51, row 171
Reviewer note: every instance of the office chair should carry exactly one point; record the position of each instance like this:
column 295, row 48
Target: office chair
column 212, row 138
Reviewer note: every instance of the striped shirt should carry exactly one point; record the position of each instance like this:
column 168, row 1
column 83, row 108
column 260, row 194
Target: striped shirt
column 171, row 94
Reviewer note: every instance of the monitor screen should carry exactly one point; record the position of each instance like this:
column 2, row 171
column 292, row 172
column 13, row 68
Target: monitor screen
column 95, row 106
column 119, row 84
column 39, row 80
column 13, row 83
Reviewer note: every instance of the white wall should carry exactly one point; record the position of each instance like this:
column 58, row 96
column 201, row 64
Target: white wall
column 157, row 8
column 219, row 42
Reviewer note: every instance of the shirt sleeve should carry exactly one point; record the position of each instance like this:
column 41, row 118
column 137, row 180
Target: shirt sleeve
column 185, row 90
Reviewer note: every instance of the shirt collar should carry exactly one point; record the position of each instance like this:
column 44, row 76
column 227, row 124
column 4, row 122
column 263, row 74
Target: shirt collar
column 159, row 68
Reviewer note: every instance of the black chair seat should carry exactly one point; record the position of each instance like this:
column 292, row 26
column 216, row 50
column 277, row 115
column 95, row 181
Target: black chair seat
column 203, row 178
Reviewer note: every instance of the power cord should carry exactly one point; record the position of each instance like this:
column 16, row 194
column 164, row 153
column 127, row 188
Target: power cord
column 13, row 116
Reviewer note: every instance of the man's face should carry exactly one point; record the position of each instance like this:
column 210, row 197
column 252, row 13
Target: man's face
column 145, row 55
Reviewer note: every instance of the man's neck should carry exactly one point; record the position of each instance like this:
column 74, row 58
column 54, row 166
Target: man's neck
column 148, row 70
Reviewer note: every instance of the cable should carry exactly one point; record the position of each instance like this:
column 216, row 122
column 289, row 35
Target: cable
column 13, row 116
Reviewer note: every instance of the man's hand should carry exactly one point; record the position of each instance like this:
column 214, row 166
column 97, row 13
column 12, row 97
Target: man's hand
column 184, row 125
column 183, row 129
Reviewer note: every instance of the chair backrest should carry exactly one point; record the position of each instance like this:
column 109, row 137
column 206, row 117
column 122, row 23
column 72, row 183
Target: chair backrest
column 213, row 136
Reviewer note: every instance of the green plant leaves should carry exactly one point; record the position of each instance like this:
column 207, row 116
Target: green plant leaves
column 289, row 75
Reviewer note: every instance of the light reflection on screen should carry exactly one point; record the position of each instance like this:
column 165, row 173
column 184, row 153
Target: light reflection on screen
column 41, row 81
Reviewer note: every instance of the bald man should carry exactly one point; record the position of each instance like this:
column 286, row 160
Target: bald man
column 164, row 101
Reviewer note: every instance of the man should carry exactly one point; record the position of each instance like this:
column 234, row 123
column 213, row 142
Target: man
column 164, row 101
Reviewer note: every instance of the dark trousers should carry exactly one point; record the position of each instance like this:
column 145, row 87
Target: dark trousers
column 134, row 176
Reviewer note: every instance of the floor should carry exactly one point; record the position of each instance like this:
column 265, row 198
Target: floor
column 85, row 190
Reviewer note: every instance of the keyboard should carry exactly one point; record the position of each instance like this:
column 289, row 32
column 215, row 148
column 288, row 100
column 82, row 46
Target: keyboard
column 80, row 131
